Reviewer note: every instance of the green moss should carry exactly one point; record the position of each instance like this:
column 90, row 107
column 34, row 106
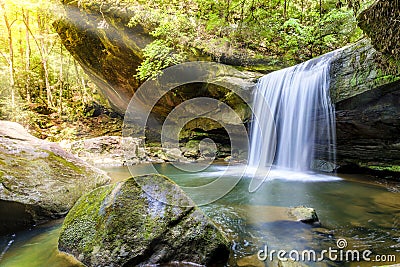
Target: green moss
column 81, row 226
column 262, row 68
column 363, row 56
column 60, row 160
column 153, row 144
column 393, row 168
column 193, row 144
column 353, row 81
column 113, row 220
column 384, row 79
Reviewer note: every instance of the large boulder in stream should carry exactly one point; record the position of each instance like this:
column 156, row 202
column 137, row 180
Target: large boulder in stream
column 39, row 181
column 123, row 225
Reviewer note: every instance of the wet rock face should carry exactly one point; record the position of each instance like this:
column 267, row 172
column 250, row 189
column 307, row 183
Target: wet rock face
column 366, row 95
column 39, row 181
column 368, row 127
column 359, row 68
column 121, row 225
column 96, row 34
column 381, row 23
column 367, row 91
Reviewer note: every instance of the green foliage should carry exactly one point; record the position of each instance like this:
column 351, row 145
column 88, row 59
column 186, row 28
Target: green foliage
column 332, row 30
column 45, row 82
column 394, row 168
column 157, row 56
column 294, row 30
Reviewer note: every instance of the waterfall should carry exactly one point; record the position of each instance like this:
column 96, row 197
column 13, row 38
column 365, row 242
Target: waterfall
column 293, row 116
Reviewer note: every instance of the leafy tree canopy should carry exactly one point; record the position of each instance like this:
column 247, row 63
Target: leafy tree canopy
column 251, row 31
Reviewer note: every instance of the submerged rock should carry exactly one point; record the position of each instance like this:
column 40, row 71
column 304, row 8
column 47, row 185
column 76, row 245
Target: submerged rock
column 121, row 225
column 250, row 261
column 292, row 263
column 39, row 181
column 304, row 214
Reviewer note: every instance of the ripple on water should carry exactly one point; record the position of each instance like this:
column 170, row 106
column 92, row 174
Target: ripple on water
column 367, row 216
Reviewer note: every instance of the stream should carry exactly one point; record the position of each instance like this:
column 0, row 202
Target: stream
column 363, row 212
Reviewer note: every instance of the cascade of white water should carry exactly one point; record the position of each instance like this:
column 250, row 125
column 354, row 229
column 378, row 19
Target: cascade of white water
column 303, row 117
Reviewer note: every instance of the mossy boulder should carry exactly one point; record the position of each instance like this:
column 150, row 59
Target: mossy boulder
column 39, row 181
column 123, row 225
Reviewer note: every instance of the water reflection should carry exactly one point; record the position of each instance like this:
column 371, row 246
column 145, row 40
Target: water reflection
column 366, row 215
column 37, row 247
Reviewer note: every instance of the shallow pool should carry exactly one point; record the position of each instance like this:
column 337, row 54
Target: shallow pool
column 363, row 212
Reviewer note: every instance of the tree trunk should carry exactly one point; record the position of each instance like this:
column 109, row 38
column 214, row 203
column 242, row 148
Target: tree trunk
column 241, row 15
column 27, row 55
column 43, row 55
column 320, row 9
column 11, row 55
column 78, row 81
column 61, row 82
column 228, row 7
column 49, row 95
column 319, row 28
column 284, row 10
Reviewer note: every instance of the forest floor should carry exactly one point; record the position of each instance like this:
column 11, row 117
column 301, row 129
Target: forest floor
column 55, row 128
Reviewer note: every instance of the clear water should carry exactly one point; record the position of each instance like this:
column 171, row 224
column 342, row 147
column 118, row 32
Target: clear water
column 293, row 117
column 366, row 214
